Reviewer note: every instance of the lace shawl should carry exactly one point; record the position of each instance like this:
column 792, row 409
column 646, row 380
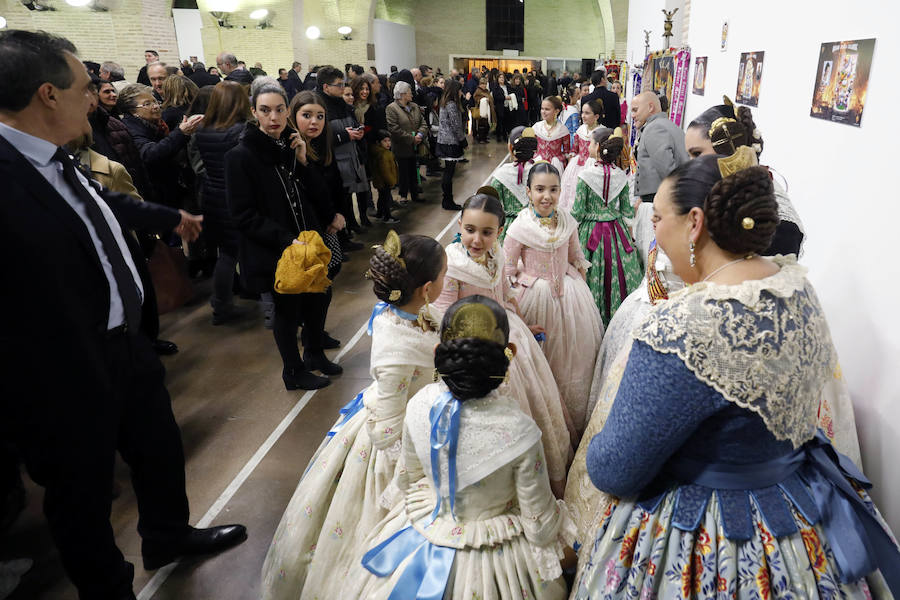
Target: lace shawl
column 396, row 341
column 493, row 432
column 763, row 344
column 594, row 176
column 461, row 267
column 527, row 230
column 558, row 131
column 508, row 175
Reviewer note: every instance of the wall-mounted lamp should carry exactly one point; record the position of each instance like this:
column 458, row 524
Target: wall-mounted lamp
column 345, row 32
column 312, row 32
column 2, row 22
column 38, row 6
column 94, row 5
column 263, row 17
column 221, row 17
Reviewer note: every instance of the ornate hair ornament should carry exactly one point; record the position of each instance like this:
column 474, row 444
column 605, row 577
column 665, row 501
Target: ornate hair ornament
column 743, row 158
column 474, row 321
column 718, row 123
column 748, row 223
column 616, row 134
column 392, row 246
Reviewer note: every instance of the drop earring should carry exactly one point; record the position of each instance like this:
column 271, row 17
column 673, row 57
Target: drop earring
column 693, row 256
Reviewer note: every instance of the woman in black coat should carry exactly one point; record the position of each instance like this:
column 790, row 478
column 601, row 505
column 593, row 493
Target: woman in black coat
column 264, row 177
column 223, row 123
column 501, row 90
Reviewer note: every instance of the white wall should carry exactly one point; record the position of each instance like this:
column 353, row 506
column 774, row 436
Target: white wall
column 187, row 32
column 647, row 15
column 842, row 181
column 395, row 44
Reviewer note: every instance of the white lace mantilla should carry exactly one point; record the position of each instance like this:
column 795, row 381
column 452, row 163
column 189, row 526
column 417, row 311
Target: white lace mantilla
column 542, row 131
column 528, row 230
column 398, row 341
column 763, row 344
column 508, row 175
column 460, row 266
column 493, row 432
column 593, row 175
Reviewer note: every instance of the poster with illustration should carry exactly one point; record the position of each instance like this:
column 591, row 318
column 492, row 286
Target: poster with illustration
column 666, row 74
column 841, row 80
column 700, row 75
column 749, row 77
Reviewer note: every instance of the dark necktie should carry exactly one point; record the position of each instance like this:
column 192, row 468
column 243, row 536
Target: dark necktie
column 127, row 287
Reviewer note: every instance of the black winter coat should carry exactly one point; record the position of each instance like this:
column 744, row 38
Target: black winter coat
column 112, row 140
column 240, row 76
column 202, row 78
column 260, row 174
column 163, row 155
column 213, row 144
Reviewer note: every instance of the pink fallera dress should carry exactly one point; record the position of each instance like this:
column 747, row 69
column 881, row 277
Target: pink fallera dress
column 553, row 294
column 554, row 144
column 570, row 176
column 531, row 381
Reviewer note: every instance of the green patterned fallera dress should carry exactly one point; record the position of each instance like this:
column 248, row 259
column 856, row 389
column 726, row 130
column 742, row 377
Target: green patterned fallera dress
column 509, row 181
column 601, row 205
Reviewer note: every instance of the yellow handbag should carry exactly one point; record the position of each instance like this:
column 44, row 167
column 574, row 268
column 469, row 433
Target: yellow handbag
column 303, row 267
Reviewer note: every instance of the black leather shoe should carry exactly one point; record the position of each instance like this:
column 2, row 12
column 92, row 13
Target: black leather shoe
column 317, row 361
column 165, row 347
column 158, row 553
column 329, row 343
column 303, row 379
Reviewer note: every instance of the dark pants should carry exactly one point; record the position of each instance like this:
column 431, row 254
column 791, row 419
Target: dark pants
column 481, row 130
column 409, row 183
column 447, row 180
column 72, row 456
column 222, row 299
column 384, row 203
column 292, row 310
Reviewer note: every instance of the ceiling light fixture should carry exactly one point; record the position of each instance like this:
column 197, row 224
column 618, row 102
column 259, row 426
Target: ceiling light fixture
column 312, row 32
column 32, row 5
column 259, row 14
column 221, row 18
column 78, row 2
column 2, row 22
column 345, row 32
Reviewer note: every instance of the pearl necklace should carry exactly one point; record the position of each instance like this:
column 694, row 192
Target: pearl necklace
column 728, row 264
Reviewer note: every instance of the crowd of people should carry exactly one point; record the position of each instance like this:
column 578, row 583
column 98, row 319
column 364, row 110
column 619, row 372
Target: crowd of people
column 616, row 381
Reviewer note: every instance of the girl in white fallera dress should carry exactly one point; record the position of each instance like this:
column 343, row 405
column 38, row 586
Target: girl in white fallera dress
column 475, row 266
column 590, row 117
column 552, row 288
column 554, row 141
column 479, row 519
column 336, row 502
column 509, row 178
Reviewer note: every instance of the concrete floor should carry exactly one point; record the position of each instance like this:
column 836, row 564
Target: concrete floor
column 228, row 397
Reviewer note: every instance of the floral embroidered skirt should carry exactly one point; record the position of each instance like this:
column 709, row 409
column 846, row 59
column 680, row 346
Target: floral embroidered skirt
column 336, row 504
column 639, row 554
column 615, row 266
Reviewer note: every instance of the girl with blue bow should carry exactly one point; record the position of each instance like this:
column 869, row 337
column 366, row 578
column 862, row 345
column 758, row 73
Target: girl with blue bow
column 479, row 519
column 339, row 498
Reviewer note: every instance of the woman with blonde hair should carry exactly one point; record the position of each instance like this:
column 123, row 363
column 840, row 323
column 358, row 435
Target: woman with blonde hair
column 178, row 93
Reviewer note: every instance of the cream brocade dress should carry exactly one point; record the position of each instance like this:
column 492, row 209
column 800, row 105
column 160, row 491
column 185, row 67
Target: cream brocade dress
column 507, row 528
column 339, row 499
column 530, row 380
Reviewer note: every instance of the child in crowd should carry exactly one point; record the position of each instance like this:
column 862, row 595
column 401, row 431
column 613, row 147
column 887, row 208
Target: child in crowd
column 509, row 178
column 553, row 292
column 338, row 500
column 601, row 207
column 554, row 141
column 475, row 266
column 478, row 519
column 571, row 113
column 384, row 175
column 590, row 120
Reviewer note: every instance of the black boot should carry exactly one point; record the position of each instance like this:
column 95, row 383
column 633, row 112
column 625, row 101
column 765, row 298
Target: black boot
column 447, row 203
column 302, row 379
column 316, row 360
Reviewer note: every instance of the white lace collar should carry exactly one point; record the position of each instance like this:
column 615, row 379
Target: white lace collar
column 493, row 432
column 460, row 266
column 584, row 133
column 508, row 175
column 764, row 345
column 542, row 131
column 527, row 230
column 594, row 175
column 398, row 341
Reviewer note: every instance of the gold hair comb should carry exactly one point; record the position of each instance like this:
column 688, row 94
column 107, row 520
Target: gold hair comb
column 743, row 158
column 476, row 321
column 391, row 245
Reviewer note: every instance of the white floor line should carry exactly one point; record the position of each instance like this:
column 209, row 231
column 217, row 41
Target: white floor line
column 162, row 574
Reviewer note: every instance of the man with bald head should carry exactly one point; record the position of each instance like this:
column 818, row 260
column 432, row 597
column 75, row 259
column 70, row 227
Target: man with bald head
column 157, row 73
column 228, row 65
column 660, row 148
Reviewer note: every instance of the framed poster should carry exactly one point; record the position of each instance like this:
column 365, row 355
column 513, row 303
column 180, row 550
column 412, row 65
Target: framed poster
column 749, row 77
column 842, row 76
column 700, row 75
column 666, row 74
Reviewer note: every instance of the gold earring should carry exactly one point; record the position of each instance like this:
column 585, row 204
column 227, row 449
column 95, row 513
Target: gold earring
column 693, row 256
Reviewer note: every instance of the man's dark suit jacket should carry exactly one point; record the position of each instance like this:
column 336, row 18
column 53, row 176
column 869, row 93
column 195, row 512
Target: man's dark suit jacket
column 612, row 109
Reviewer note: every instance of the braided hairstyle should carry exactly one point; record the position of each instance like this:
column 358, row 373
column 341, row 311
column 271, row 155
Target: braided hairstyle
column 726, row 202
column 523, row 148
column 609, row 148
column 424, row 258
column 472, row 367
column 487, row 203
column 538, row 169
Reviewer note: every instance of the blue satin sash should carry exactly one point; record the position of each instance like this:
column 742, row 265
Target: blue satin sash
column 859, row 541
column 444, row 417
column 426, row 575
column 350, row 409
column 380, row 308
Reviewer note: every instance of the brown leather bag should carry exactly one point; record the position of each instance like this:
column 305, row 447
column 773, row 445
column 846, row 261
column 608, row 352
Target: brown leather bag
column 168, row 270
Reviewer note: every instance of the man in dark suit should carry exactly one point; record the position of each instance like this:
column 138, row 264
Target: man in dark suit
column 150, row 56
column 612, row 110
column 201, row 77
column 80, row 380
